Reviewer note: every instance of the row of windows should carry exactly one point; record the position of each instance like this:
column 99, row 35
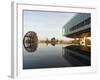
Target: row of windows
column 83, row 23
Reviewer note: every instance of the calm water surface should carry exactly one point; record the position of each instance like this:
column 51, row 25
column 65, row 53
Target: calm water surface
column 59, row 55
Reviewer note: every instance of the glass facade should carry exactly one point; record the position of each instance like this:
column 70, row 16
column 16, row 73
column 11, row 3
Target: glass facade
column 81, row 24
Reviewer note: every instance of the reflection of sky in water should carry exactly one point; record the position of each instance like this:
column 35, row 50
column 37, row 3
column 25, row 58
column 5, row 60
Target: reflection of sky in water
column 53, row 56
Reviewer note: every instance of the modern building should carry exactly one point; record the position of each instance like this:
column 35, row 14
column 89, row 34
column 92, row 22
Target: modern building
column 79, row 27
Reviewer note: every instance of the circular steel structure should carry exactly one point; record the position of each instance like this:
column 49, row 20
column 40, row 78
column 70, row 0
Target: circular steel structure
column 30, row 41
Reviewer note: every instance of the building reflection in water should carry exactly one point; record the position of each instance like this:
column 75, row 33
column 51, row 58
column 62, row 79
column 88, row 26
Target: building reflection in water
column 77, row 55
column 30, row 41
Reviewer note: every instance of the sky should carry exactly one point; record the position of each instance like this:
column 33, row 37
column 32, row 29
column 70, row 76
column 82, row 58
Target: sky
column 46, row 24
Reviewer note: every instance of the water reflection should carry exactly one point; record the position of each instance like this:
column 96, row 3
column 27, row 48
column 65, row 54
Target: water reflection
column 31, row 47
column 77, row 55
column 61, row 55
column 30, row 41
column 53, row 44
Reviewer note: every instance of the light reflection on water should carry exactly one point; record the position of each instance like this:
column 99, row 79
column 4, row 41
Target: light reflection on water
column 59, row 55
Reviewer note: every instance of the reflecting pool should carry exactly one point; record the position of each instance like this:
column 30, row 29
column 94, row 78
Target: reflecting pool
column 59, row 55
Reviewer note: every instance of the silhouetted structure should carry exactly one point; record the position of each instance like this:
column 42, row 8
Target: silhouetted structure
column 54, row 41
column 30, row 41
